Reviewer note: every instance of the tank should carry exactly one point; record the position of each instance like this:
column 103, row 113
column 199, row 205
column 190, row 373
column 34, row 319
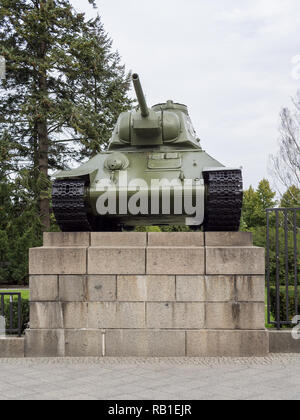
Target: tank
column 154, row 172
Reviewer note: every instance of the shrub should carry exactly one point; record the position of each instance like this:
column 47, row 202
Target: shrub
column 283, row 301
column 24, row 313
column 259, row 239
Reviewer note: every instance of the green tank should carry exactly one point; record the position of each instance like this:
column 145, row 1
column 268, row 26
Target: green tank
column 154, row 172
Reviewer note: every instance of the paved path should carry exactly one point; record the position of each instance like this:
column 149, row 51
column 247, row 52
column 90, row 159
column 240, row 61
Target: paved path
column 274, row 377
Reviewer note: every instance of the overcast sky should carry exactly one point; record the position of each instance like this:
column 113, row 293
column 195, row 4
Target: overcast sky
column 230, row 61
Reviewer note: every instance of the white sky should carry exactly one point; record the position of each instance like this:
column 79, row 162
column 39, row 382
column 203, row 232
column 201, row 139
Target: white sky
column 230, row 61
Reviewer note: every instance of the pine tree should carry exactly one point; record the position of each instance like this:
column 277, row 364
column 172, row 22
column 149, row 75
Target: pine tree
column 255, row 205
column 63, row 80
column 20, row 229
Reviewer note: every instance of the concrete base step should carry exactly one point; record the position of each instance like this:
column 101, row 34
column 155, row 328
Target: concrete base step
column 11, row 347
column 283, row 342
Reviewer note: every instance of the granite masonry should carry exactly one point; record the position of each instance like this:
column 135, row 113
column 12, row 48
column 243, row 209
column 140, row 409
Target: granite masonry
column 147, row 295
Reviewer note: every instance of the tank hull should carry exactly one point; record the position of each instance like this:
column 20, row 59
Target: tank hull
column 155, row 187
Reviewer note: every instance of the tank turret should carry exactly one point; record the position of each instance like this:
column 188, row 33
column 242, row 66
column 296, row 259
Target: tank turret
column 163, row 124
column 153, row 173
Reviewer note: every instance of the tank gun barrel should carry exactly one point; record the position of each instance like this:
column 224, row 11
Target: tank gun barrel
column 140, row 95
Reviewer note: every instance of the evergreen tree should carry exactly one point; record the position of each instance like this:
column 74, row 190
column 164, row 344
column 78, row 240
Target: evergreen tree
column 63, row 80
column 255, row 205
column 20, row 229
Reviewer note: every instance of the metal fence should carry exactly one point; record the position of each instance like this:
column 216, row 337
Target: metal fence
column 11, row 311
column 282, row 265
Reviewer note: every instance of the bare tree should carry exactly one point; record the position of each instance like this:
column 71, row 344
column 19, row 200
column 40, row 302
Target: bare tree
column 285, row 165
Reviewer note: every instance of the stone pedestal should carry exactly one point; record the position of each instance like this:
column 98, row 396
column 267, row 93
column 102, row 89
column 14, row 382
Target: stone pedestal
column 155, row 294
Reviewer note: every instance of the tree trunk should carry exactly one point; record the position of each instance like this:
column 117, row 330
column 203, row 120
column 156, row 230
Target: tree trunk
column 44, row 203
column 43, row 144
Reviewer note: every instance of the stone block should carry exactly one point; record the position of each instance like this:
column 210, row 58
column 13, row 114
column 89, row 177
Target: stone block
column 43, row 288
column 46, row 315
column 72, row 289
column 11, row 347
column 230, row 260
column 178, row 239
column 190, row 289
column 83, row 343
column 228, row 239
column 102, row 288
column 146, row 288
column 250, row 288
column 235, row 315
column 64, row 239
column 57, row 260
column 45, row 343
column 116, row 315
column 283, row 342
column 210, row 343
column 116, row 260
column 220, row 288
column 75, row 315
column 118, row 239
column 180, row 261
column 175, row 315
column 143, row 343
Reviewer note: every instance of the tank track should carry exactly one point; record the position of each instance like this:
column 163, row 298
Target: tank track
column 71, row 210
column 69, row 205
column 223, row 200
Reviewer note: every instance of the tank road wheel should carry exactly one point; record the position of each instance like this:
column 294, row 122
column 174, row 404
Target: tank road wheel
column 223, row 200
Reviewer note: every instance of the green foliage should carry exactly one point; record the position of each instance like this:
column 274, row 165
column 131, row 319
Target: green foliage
column 255, row 204
column 25, row 293
column 147, row 229
column 85, row 86
column 20, row 229
column 24, row 312
column 63, row 81
column 259, row 239
column 283, row 302
column 254, row 220
column 291, row 198
column 171, row 228
column 175, row 228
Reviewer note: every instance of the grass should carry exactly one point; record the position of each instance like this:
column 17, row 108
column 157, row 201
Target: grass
column 24, row 293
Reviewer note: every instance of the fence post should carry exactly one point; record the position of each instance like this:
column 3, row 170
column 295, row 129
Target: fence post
column 286, row 232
